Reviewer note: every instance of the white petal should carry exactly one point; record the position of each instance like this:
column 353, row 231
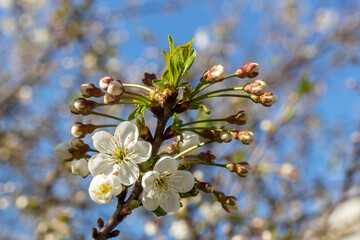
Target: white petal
column 98, row 163
column 149, row 203
column 117, row 187
column 182, row 181
column 140, row 152
column 94, row 189
column 62, row 151
column 128, row 173
column 170, row 202
column 190, row 139
column 80, row 167
column 148, row 180
column 166, row 164
column 127, row 132
column 104, row 142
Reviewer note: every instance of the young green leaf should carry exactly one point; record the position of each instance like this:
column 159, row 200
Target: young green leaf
column 159, row 212
column 136, row 112
column 189, row 61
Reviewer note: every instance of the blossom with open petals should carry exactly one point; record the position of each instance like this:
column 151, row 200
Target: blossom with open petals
column 120, row 152
column 102, row 188
column 187, row 140
column 163, row 185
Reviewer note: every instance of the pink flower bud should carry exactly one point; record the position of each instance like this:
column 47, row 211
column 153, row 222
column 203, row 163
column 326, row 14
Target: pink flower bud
column 250, row 70
column 84, row 106
column 104, row 82
column 89, row 90
column 258, row 87
column 215, row 74
column 115, row 88
column 268, row 99
column 246, row 137
column 207, row 156
column 80, row 130
column 111, row 99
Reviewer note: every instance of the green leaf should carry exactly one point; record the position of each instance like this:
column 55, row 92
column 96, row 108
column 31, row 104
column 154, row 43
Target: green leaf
column 159, row 212
column 205, row 109
column 171, row 44
column 189, row 61
column 169, row 73
column 136, row 112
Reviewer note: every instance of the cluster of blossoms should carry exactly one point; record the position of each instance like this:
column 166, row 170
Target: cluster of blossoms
column 130, row 155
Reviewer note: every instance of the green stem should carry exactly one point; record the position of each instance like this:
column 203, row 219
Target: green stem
column 106, row 115
column 217, row 91
column 106, row 125
column 229, row 95
column 196, row 128
column 146, row 99
column 136, row 86
column 206, row 120
column 192, row 148
column 103, row 104
column 196, row 89
column 204, row 163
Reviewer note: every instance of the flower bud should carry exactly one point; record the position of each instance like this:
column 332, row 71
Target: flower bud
column 231, row 204
column 72, row 108
column 242, row 169
column 80, row 167
column 226, row 136
column 80, row 130
column 78, row 145
column 246, row 137
column 209, row 134
column 62, row 152
column 110, row 99
column 268, row 99
column 204, row 186
column 145, row 133
column 258, row 87
column 148, row 78
column 187, row 140
column 207, row 157
column 89, row 90
column 240, row 118
column 250, row 70
column 84, row 106
column 115, row 88
column 103, row 187
column 172, row 149
column 104, row 82
column 215, row 74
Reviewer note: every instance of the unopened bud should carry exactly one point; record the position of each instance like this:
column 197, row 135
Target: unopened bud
column 226, row 135
column 207, row 156
column 115, row 88
column 258, row 87
column 148, row 78
column 246, row 137
column 89, row 90
column 250, row 70
column 240, row 118
column 172, row 149
column 215, row 74
column 80, row 130
column 104, row 82
column 62, row 152
column 231, row 204
column 84, row 106
column 80, row 167
column 268, row 99
column 205, row 187
column 209, row 134
column 110, row 99
column 145, row 133
column 242, row 169
column 79, row 144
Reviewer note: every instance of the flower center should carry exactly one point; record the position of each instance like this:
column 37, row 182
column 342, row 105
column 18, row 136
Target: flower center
column 120, row 156
column 161, row 181
column 104, row 189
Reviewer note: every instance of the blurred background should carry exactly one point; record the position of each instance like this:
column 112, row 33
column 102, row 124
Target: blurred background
column 305, row 183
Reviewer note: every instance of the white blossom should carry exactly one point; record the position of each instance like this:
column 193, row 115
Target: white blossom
column 115, row 88
column 80, row 167
column 163, row 185
column 187, row 140
column 62, row 151
column 120, row 152
column 103, row 187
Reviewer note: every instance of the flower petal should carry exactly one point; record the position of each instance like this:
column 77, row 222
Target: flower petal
column 170, row 202
column 104, row 142
column 117, row 187
column 166, row 164
column 182, row 181
column 140, row 152
column 128, row 173
column 148, row 202
column 127, row 132
column 148, row 180
column 98, row 163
